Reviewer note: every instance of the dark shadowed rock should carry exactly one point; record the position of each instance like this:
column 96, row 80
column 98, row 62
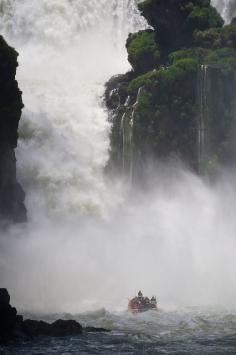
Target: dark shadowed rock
column 8, row 317
column 11, row 194
column 59, row 328
column 35, row 328
column 13, row 327
column 62, row 328
column 96, row 330
column 4, row 297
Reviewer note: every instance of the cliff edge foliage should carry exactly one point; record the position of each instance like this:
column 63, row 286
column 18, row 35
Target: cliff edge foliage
column 178, row 99
column 11, row 194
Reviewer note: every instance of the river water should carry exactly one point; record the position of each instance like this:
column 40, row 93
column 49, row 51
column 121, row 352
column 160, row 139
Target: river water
column 186, row 331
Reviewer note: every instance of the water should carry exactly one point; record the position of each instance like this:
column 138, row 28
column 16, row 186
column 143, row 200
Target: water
column 187, row 331
column 91, row 242
column 68, row 49
column 203, row 118
column 226, row 7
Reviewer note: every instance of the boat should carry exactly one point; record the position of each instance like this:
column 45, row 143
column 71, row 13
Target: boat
column 140, row 304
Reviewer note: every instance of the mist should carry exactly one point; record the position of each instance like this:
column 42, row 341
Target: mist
column 176, row 240
column 91, row 242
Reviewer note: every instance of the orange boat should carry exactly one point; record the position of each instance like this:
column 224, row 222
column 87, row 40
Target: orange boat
column 140, row 304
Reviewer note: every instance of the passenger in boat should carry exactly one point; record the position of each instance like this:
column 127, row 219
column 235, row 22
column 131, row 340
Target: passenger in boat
column 153, row 302
column 140, row 298
column 140, row 295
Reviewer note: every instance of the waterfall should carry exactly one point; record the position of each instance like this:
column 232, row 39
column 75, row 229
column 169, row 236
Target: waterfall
column 127, row 141
column 68, row 49
column 203, row 118
column 67, row 258
column 227, row 8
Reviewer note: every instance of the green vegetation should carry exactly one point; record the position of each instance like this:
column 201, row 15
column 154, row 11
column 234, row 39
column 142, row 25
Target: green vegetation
column 189, row 50
column 164, row 77
column 202, row 17
column 143, row 51
column 176, row 21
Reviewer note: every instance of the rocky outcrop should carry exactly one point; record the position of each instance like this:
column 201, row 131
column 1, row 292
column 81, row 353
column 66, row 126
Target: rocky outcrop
column 11, row 194
column 178, row 100
column 13, row 327
column 59, row 328
column 8, row 317
column 175, row 22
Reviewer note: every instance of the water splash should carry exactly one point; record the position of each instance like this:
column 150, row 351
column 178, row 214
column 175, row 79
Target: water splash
column 68, row 49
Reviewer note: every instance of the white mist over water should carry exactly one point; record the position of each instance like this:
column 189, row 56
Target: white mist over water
column 88, row 243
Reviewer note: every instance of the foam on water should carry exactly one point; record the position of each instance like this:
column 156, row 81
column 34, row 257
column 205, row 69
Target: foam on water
column 183, row 332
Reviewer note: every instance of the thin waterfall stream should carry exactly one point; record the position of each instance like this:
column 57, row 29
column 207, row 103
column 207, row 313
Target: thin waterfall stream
column 203, row 87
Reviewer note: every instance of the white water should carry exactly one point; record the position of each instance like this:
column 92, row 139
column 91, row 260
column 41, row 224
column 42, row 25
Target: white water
column 226, row 7
column 89, row 243
column 68, row 50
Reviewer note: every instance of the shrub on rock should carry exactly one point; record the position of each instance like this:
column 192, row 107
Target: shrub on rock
column 143, row 51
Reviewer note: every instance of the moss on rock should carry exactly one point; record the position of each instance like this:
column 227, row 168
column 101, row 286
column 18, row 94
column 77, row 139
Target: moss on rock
column 176, row 21
column 188, row 51
column 143, row 51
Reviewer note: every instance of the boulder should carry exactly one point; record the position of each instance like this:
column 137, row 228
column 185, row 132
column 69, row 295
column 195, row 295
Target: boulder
column 13, row 327
column 8, row 316
column 61, row 328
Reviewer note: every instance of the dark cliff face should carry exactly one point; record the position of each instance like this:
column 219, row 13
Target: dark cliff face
column 176, row 20
column 11, row 194
column 13, row 328
column 178, row 99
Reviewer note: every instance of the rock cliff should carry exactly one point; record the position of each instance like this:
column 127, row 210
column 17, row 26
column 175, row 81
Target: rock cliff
column 11, row 194
column 178, row 100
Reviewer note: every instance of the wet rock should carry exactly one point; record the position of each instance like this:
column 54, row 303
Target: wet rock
column 59, row 328
column 35, row 328
column 4, row 297
column 13, row 327
column 8, row 316
column 12, row 196
column 96, row 330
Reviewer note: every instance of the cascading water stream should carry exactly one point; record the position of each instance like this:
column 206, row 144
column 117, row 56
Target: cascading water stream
column 226, row 7
column 68, row 49
column 203, row 118
column 127, row 143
